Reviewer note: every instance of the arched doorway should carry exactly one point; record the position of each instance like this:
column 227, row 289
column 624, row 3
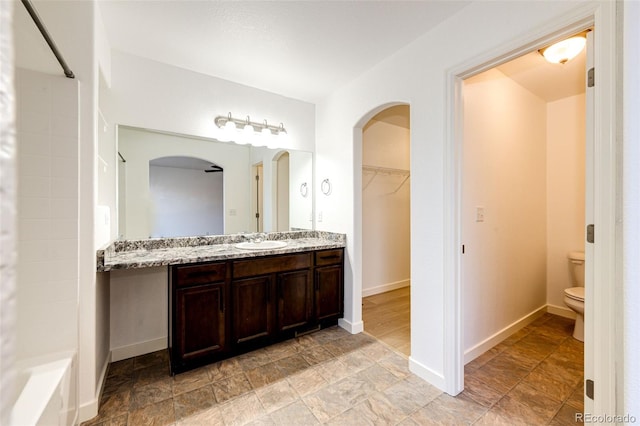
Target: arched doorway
column 384, row 201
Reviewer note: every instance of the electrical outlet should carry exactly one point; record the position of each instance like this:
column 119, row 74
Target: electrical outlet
column 479, row 214
column 319, row 216
column 232, row 212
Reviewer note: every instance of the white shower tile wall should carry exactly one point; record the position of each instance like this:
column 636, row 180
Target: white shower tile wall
column 47, row 214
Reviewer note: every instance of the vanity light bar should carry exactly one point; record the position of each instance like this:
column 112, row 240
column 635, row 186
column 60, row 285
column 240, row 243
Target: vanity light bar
column 222, row 120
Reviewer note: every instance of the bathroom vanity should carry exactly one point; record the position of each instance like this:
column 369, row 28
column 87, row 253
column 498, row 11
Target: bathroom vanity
column 224, row 300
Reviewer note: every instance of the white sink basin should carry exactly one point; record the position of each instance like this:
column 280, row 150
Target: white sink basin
column 262, row 245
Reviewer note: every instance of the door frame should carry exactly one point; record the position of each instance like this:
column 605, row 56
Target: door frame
column 600, row 337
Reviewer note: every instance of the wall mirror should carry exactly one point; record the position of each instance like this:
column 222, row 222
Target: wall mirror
column 172, row 185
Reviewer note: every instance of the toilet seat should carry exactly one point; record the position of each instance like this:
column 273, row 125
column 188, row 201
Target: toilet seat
column 575, row 293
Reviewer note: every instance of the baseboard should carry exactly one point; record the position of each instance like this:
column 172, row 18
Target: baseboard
column 124, row 352
column 561, row 311
column 385, row 287
column 493, row 340
column 353, row 328
column 89, row 410
column 427, row 374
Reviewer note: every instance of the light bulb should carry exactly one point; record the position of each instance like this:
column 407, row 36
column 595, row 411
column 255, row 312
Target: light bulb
column 247, row 134
column 229, row 131
column 565, row 50
column 265, row 136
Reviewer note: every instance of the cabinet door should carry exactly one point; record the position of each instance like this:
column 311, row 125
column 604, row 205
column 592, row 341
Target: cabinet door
column 253, row 309
column 294, row 299
column 200, row 321
column 329, row 292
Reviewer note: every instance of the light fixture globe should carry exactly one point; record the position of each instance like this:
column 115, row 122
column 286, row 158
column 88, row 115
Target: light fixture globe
column 565, row 50
column 263, row 138
column 247, row 134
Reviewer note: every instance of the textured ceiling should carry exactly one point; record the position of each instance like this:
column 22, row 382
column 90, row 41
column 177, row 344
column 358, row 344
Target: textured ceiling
column 299, row 49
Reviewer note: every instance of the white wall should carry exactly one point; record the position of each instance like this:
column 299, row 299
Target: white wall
column 301, row 206
column 138, row 147
column 139, row 311
column 630, row 335
column 386, row 232
column 565, row 191
column 76, row 30
column 186, row 202
column 417, row 75
column 504, row 172
column 47, row 213
column 162, row 97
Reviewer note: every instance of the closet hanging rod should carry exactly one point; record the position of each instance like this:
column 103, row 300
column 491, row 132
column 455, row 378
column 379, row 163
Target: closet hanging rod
column 385, row 170
column 47, row 37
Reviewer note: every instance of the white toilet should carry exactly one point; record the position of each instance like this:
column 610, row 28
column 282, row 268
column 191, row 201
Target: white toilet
column 574, row 296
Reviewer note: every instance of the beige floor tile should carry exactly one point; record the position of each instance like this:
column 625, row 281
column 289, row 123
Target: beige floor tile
column 209, row 417
column 160, row 413
column 446, row 409
column 192, row 403
column 223, row 369
column 276, row 395
column 543, row 406
column 150, row 394
column 231, row 387
column 307, row 381
column 264, row 375
column 380, row 377
column 190, row 380
column 294, row 414
column 301, row 381
column 242, row 410
column 377, row 410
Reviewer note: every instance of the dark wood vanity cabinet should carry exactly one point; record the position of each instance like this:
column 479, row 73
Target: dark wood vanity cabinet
column 199, row 318
column 252, row 310
column 329, row 286
column 271, row 296
column 222, row 309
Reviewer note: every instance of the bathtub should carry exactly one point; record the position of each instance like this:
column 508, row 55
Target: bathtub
column 43, row 394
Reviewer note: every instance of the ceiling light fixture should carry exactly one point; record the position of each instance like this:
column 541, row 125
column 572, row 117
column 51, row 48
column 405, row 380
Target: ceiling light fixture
column 247, row 131
column 565, row 50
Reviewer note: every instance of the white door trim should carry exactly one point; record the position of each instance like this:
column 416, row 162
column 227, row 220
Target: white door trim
column 602, row 350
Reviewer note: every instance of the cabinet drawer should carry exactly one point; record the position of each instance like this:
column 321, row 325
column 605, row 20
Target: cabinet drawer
column 256, row 266
column 200, row 274
column 329, row 257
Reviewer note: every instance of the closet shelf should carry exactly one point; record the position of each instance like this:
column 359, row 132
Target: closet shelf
column 385, row 171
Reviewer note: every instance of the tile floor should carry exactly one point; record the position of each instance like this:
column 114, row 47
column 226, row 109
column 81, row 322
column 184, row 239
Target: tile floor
column 332, row 377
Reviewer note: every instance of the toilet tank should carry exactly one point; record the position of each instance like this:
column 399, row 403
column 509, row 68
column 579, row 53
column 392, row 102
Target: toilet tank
column 576, row 264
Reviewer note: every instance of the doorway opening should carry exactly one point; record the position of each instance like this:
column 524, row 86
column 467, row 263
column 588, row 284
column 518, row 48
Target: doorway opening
column 187, row 197
column 282, row 191
column 257, row 197
column 386, row 230
column 524, row 179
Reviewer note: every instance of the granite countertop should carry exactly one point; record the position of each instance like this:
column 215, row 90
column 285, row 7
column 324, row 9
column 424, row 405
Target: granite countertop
column 130, row 254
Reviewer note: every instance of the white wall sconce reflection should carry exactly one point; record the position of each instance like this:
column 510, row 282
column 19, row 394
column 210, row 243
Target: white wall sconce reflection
column 250, row 132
